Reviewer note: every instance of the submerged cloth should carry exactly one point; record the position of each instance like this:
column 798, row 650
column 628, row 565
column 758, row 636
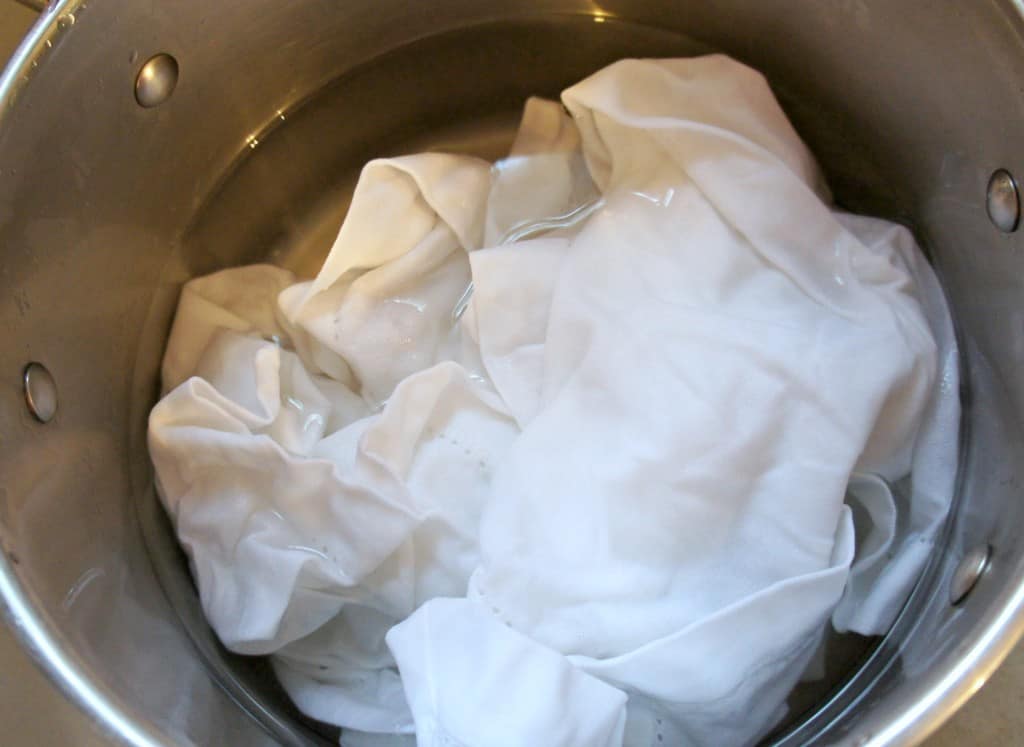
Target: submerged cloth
column 585, row 448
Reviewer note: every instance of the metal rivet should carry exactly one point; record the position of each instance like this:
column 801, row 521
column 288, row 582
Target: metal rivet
column 966, row 575
column 40, row 392
column 156, row 80
column 1003, row 201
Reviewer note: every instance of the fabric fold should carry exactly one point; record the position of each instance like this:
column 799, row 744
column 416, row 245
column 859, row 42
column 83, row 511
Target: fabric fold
column 472, row 681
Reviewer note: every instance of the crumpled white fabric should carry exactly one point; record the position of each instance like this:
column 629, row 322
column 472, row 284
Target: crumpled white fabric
column 499, row 686
column 307, row 500
column 582, row 449
column 381, row 307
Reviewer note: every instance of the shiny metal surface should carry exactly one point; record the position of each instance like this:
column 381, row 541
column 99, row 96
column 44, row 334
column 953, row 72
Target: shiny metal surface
column 40, row 392
column 968, row 572
column 36, row 5
column 106, row 208
column 1002, row 200
column 156, row 80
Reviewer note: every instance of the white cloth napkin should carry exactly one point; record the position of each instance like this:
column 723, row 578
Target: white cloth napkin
column 497, row 686
column 582, row 449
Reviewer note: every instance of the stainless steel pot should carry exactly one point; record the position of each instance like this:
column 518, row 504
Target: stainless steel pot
column 121, row 177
